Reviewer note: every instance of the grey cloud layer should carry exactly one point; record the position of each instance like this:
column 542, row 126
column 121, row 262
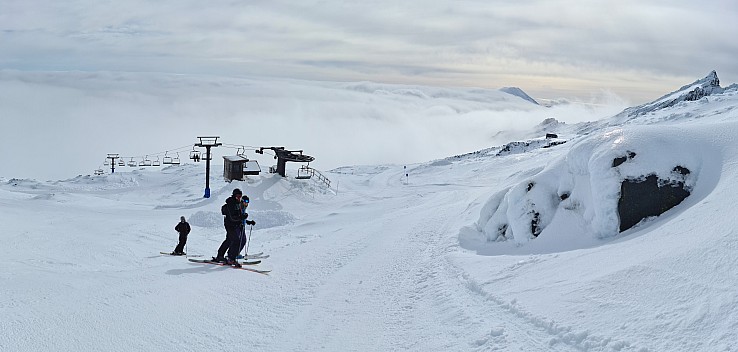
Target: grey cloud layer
column 545, row 45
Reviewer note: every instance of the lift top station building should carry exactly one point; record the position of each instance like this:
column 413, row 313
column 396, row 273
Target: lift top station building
column 283, row 156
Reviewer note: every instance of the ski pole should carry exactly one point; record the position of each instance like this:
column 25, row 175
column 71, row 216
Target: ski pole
column 240, row 240
column 248, row 242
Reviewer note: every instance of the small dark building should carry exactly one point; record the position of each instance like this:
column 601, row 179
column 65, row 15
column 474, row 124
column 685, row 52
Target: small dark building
column 552, row 135
column 235, row 167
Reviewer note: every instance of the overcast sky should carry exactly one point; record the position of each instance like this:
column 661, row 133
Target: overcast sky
column 551, row 49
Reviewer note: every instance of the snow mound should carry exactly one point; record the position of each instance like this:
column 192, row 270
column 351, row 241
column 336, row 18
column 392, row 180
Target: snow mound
column 573, row 202
column 209, row 219
column 271, row 218
column 264, row 219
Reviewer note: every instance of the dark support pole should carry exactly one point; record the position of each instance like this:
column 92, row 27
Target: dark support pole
column 112, row 158
column 281, row 167
column 207, row 142
column 207, row 172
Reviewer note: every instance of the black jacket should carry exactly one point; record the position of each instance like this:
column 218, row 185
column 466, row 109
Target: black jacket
column 183, row 228
column 234, row 217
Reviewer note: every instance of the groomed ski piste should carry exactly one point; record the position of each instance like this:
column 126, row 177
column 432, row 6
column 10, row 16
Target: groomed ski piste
column 394, row 263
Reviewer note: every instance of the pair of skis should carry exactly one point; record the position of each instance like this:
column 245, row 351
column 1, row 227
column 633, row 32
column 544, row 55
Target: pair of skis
column 182, row 255
column 256, row 256
column 244, row 267
column 259, row 255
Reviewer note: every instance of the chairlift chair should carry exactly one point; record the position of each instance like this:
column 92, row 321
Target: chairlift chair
column 147, row 161
column 157, row 162
column 195, row 155
column 132, row 163
column 167, row 159
column 121, row 162
column 304, row 173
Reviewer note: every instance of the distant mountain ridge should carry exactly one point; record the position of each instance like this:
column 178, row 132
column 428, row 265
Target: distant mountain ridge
column 691, row 92
column 518, row 93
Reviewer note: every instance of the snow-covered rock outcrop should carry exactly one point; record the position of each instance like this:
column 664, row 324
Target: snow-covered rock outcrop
column 526, row 146
column 691, row 92
column 582, row 189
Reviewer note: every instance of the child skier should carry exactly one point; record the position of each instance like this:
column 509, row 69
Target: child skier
column 183, row 228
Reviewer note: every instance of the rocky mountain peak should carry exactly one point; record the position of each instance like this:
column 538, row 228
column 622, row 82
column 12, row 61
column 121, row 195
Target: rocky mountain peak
column 690, row 92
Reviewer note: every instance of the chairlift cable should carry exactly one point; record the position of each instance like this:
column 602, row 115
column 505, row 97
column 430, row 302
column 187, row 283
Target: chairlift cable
column 159, row 153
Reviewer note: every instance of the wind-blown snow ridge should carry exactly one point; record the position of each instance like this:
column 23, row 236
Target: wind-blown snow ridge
column 691, row 92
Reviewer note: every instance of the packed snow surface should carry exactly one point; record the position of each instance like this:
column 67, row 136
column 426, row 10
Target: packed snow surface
column 393, row 259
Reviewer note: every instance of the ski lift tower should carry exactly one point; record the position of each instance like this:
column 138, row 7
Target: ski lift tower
column 207, row 143
column 283, row 156
column 112, row 158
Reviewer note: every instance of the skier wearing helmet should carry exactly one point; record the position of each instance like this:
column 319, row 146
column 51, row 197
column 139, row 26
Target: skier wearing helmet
column 183, row 228
column 233, row 217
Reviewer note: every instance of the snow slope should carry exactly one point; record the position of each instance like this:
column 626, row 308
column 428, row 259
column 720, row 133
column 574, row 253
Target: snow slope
column 389, row 262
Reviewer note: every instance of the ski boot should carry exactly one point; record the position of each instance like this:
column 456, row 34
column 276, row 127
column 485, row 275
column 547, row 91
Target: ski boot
column 234, row 263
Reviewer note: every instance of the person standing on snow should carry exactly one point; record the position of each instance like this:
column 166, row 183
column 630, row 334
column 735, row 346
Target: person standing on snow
column 184, row 229
column 233, row 217
column 244, row 205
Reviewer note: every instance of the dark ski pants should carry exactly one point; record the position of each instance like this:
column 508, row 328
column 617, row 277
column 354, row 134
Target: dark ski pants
column 181, row 245
column 232, row 243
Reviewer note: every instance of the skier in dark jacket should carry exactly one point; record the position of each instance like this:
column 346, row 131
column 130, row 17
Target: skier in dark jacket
column 184, row 229
column 233, row 217
column 244, row 206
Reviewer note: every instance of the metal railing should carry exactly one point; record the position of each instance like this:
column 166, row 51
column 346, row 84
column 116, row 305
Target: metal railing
column 309, row 172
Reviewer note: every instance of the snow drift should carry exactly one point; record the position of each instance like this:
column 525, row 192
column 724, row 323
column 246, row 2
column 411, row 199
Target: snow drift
column 582, row 188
